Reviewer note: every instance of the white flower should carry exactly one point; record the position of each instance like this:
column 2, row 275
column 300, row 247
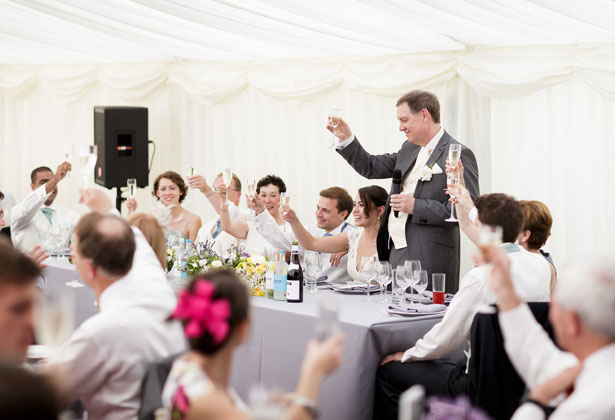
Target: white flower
column 426, row 173
column 216, row 264
column 203, row 263
column 258, row 259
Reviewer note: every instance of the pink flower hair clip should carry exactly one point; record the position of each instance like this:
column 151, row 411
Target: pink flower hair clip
column 202, row 312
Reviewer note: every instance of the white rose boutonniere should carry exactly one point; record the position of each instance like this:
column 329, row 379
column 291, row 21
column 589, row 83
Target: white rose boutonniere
column 426, row 173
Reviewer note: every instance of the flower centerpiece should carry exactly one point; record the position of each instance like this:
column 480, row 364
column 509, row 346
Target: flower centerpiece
column 251, row 268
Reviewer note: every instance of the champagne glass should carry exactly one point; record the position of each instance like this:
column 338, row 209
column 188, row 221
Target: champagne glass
column 412, row 269
column 69, row 149
column 87, row 162
column 489, row 236
column 454, row 153
column 421, row 285
column 285, row 201
column 54, row 319
column 383, row 275
column 75, row 283
column 251, row 188
column 335, row 121
column 227, row 177
column 368, row 273
column 131, row 183
column 452, row 179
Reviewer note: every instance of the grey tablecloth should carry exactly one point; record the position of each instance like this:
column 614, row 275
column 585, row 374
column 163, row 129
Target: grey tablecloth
column 274, row 351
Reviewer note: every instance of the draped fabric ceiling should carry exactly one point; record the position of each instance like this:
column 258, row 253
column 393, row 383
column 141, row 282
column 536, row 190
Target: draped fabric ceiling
column 514, row 79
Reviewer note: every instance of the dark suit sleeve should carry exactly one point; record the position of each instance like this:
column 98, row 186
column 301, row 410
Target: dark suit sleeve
column 433, row 212
column 367, row 165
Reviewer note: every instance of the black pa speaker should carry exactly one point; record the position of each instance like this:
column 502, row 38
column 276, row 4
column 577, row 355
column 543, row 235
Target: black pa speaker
column 120, row 132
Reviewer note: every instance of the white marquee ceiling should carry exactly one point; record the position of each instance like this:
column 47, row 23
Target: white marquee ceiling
column 100, row 31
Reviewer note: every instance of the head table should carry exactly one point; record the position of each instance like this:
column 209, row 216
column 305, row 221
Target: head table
column 272, row 355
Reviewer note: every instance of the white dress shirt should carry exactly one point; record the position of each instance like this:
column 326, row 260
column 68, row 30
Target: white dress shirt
column 223, row 241
column 106, row 357
column 531, row 277
column 537, row 359
column 269, row 229
column 28, row 223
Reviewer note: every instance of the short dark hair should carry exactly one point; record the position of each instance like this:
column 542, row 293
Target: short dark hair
column 112, row 251
column 16, row 267
column 235, row 178
column 37, row 170
column 373, row 196
column 227, row 286
column 25, row 395
column 273, row 180
column 501, row 210
column 344, row 200
column 1, row 195
column 420, row 99
column 538, row 221
column 176, row 179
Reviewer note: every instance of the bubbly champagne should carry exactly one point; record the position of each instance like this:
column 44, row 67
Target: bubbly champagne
column 251, row 190
column 227, row 176
column 132, row 190
column 189, row 171
column 87, row 164
column 453, row 157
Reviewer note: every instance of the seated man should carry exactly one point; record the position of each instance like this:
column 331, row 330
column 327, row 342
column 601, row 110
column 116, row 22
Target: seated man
column 18, row 295
column 582, row 313
column 32, row 218
column 333, row 208
column 105, row 359
column 418, row 365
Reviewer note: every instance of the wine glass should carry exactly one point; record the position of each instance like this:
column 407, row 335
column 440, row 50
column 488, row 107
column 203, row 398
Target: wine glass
column 227, row 177
column 69, row 149
column 412, row 269
column 368, row 273
column 131, row 183
column 87, row 161
column 383, row 276
column 251, row 188
column 421, row 285
column 452, row 179
column 285, row 201
column 313, row 267
column 335, row 121
column 403, row 281
column 454, row 153
column 54, row 319
column 75, row 283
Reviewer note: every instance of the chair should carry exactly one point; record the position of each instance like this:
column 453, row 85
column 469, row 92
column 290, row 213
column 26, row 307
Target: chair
column 493, row 382
column 152, row 385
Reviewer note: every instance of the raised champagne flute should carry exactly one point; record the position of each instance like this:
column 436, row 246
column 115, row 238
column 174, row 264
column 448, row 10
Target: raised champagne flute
column 489, row 236
column 131, row 183
column 335, row 121
column 452, row 179
column 285, row 201
column 454, row 153
column 87, row 162
column 227, row 177
column 69, row 150
column 251, row 188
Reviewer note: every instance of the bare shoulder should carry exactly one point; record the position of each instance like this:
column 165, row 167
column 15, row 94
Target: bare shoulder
column 214, row 406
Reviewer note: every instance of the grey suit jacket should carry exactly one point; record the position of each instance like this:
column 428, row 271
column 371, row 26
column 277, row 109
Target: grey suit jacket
column 430, row 239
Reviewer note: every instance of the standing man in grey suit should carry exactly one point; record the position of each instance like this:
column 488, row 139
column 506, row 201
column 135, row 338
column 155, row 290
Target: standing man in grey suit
column 419, row 232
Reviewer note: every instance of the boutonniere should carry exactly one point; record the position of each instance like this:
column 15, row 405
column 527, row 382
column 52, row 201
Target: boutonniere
column 426, row 173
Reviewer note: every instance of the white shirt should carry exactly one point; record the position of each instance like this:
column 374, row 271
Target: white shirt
column 223, row 241
column 537, row 359
column 531, row 277
column 28, row 223
column 106, row 357
column 269, row 229
column 397, row 225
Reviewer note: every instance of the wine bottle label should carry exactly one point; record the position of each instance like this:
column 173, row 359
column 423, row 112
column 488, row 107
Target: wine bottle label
column 292, row 290
column 279, row 283
column 269, row 281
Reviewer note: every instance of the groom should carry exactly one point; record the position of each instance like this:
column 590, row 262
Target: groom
column 419, row 232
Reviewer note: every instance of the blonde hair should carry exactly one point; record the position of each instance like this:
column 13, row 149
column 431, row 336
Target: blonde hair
column 153, row 233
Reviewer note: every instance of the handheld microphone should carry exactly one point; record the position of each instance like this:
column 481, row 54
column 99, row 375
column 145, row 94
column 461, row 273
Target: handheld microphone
column 396, row 189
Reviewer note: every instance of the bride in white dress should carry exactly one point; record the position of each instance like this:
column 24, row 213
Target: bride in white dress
column 368, row 209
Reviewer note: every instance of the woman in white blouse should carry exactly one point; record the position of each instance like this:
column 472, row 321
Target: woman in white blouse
column 367, row 211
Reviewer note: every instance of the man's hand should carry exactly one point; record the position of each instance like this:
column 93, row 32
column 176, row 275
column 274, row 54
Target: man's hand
column 38, row 255
column 462, row 197
column 290, row 216
column 395, row 357
column 255, row 204
column 560, row 383
column 96, row 200
column 335, row 258
column 198, row 182
column 500, row 279
column 402, row 202
column 342, row 131
column 62, row 171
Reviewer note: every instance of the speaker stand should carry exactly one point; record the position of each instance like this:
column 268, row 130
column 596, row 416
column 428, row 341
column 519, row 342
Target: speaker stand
column 119, row 199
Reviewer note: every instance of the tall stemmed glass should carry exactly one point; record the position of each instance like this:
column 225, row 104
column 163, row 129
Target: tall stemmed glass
column 335, row 121
column 227, row 177
column 403, row 281
column 412, row 269
column 285, row 202
column 75, row 283
column 383, row 277
column 131, row 183
column 368, row 272
column 313, row 267
column 452, row 179
column 421, row 284
column 251, row 191
column 87, row 162
column 69, row 150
